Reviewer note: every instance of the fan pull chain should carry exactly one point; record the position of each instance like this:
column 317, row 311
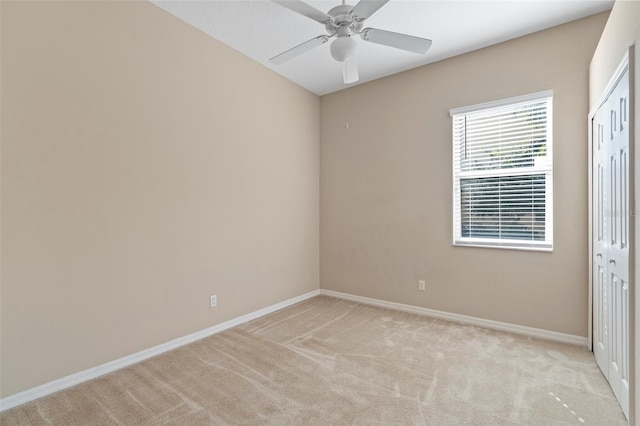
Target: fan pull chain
column 346, row 107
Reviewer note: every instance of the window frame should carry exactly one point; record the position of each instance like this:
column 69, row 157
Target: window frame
column 546, row 169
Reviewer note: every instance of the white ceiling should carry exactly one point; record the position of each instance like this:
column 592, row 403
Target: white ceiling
column 262, row 29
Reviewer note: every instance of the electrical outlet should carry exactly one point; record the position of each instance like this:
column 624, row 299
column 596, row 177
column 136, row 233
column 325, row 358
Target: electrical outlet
column 214, row 301
column 421, row 285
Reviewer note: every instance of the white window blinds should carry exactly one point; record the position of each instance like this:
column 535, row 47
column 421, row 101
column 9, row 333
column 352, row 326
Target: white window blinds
column 503, row 173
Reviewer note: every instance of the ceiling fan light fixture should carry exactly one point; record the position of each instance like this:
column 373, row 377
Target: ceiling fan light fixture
column 343, row 48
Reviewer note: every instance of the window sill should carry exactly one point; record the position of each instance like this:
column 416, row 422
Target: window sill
column 503, row 246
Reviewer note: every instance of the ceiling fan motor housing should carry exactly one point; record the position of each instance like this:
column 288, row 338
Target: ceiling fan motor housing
column 343, row 20
column 342, row 15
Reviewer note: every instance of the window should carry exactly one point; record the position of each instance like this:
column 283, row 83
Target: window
column 503, row 173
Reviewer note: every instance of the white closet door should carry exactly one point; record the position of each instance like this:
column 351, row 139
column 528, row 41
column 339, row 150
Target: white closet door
column 618, row 250
column 601, row 288
column 611, row 211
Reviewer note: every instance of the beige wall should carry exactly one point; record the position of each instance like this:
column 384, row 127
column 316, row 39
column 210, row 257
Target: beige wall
column 145, row 166
column 386, row 185
column 621, row 32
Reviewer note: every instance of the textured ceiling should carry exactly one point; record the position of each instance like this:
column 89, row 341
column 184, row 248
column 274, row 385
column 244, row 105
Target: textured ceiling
column 262, row 29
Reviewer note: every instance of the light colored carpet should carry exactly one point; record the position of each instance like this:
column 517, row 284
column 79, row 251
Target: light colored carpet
column 329, row 361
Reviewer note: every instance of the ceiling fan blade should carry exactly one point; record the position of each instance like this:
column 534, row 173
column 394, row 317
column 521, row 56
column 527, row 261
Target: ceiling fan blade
column 299, row 49
column 304, row 9
column 366, row 8
column 397, row 40
column 350, row 70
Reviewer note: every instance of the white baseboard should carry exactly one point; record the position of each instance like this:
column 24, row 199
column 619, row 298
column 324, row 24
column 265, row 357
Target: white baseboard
column 92, row 373
column 463, row 319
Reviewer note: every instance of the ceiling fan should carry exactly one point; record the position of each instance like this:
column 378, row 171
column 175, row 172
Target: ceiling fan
column 343, row 22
